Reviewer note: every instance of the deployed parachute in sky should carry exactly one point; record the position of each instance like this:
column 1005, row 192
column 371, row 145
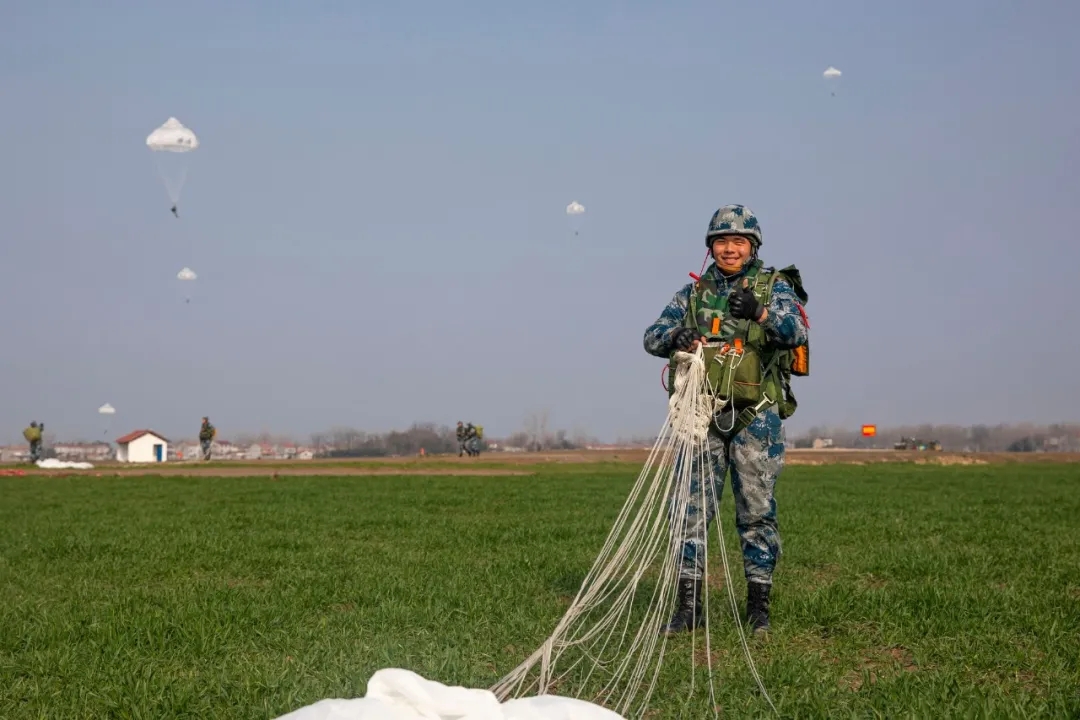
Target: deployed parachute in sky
column 187, row 274
column 171, row 144
column 575, row 211
column 832, row 79
column 107, row 411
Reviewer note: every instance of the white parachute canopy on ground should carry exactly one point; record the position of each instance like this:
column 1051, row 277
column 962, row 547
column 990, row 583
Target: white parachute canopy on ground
column 832, row 79
column 575, row 211
column 395, row 694
column 54, row 464
column 172, row 143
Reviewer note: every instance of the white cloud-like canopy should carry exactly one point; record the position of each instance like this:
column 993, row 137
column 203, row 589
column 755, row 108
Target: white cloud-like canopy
column 172, row 137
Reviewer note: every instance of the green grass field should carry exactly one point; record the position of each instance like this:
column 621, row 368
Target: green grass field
column 904, row 591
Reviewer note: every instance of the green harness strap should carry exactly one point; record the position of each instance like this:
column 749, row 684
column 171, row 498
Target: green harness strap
column 776, row 374
column 752, row 333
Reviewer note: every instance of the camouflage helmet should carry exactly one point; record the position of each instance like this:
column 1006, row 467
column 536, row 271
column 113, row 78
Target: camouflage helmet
column 734, row 220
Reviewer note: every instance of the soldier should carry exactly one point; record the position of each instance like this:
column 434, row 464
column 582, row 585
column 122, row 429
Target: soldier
column 475, row 436
column 33, row 435
column 461, row 438
column 470, row 439
column 738, row 298
column 206, row 436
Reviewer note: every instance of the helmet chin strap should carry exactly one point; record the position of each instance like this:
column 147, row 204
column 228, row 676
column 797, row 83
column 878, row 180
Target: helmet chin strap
column 709, row 255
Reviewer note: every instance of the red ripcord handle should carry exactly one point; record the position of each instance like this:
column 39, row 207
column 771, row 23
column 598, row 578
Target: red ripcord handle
column 703, row 264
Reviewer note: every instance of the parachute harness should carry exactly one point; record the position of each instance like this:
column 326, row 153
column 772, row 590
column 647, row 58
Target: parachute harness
column 605, row 645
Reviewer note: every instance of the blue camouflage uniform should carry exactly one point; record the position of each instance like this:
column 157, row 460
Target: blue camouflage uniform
column 755, row 455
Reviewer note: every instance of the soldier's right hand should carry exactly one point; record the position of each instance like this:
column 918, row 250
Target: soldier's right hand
column 685, row 339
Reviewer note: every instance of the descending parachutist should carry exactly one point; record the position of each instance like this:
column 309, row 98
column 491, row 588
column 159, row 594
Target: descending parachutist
column 174, row 212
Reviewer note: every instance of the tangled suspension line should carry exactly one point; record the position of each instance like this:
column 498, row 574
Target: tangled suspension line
column 606, row 648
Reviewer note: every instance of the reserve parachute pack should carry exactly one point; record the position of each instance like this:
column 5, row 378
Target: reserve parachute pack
column 32, row 434
column 741, row 368
column 479, row 432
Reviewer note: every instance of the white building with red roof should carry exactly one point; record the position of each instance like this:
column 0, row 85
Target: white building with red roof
column 142, row 446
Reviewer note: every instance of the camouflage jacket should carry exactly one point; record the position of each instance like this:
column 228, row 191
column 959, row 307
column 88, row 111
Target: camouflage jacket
column 785, row 326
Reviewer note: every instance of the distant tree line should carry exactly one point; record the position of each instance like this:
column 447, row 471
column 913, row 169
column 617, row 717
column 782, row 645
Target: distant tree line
column 435, row 439
column 1063, row 437
column 537, row 436
column 348, row 442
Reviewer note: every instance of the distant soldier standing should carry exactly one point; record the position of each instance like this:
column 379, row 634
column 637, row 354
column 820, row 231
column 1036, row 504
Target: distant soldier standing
column 476, row 434
column 206, row 436
column 33, row 435
column 470, row 438
column 462, row 438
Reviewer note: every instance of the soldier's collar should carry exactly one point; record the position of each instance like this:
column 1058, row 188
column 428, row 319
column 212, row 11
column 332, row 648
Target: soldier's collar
column 720, row 276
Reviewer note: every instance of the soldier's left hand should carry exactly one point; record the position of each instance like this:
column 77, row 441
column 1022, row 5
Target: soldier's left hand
column 743, row 304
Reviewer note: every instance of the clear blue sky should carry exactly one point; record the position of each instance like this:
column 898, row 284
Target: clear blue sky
column 377, row 216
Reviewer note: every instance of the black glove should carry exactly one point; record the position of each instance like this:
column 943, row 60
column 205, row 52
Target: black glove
column 683, row 338
column 743, row 304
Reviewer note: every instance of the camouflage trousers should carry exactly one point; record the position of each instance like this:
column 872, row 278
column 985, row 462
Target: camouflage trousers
column 205, row 448
column 35, row 450
column 473, row 446
column 755, row 457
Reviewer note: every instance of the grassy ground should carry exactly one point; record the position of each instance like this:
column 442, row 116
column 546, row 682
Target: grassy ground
column 904, row 591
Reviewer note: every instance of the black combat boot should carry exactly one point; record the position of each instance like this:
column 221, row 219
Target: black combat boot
column 688, row 610
column 757, row 606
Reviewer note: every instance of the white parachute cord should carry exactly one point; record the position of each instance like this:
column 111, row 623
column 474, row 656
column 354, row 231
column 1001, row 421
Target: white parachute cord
column 583, row 596
column 600, row 571
column 649, row 526
column 172, row 192
column 736, row 615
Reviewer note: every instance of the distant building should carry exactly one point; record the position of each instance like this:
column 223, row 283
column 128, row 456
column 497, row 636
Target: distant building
column 142, row 446
column 821, row 443
column 83, row 451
